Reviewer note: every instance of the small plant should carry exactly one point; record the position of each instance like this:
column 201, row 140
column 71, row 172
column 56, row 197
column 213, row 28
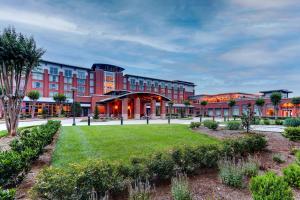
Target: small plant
column 270, row 187
column 278, row 122
column 266, row 122
column 233, row 125
column 292, row 175
column 195, row 124
column 140, row 190
column 96, row 113
column 251, row 167
column 211, row 124
column 180, row 188
column 292, row 122
column 279, row 158
column 8, row 194
column 298, row 157
column 293, row 133
column 231, row 173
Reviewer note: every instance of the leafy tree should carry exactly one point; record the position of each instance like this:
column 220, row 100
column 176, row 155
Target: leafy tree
column 60, row 99
column 260, row 102
column 203, row 105
column 96, row 113
column 276, row 99
column 186, row 103
column 248, row 118
column 77, row 108
column 296, row 102
column 33, row 95
column 19, row 55
column 231, row 104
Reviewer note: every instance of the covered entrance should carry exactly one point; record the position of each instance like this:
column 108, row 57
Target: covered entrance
column 134, row 105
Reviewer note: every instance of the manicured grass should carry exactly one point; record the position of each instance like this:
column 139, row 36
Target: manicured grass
column 3, row 133
column 80, row 143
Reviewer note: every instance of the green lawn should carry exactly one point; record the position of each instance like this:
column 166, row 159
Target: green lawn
column 80, row 143
column 3, row 133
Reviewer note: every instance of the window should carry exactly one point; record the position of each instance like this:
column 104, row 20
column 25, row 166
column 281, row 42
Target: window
column 54, row 70
column 132, row 84
column 53, row 78
column 68, row 73
column 163, row 85
column 53, row 86
column 37, row 76
column 81, row 90
column 81, row 74
column 91, row 75
column 67, row 87
column 37, row 84
column 141, row 84
column 91, row 90
column 91, row 82
column 148, row 85
column 81, row 81
column 68, row 80
column 52, row 94
column 109, row 81
column 68, row 95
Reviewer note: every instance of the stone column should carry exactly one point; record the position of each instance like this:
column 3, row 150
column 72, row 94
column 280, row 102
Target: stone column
column 137, row 108
column 162, row 109
column 153, row 109
column 125, row 108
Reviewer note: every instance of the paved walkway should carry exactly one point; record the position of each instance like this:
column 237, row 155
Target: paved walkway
column 69, row 122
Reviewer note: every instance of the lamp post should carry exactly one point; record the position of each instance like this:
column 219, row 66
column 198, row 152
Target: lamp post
column 73, row 105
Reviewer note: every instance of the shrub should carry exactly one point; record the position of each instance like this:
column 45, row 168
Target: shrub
column 298, row 157
column 292, row 175
column 231, row 173
column 293, row 133
column 279, row 158
column 256, row 121
column 8, row 194
column 266, row 122
column 250, row 167
column 210, row 124
column 292, row 122
column 180, row 188
column 270, row 187
column 195, row 124
column 278, row 122
column 233, row 125
column 161, row 166
column 140, row 191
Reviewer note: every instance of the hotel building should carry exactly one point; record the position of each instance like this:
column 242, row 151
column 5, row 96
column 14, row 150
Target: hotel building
column 105, row 86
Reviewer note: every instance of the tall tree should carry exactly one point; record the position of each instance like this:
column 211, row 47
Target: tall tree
column 60, row 99
column 276, row 99
column 231, row 104
column 33, row 95
column 260, row 102
column 186, row 103
column 19, row 55
column 296, row 103
column 203, row 105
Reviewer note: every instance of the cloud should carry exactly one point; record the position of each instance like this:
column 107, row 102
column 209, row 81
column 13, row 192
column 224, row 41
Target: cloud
column 264, row 4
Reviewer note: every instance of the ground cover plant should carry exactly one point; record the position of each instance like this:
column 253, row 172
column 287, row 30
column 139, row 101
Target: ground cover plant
column 233, row 125
column 180, row 188
column 210, row 124
column 76, row 144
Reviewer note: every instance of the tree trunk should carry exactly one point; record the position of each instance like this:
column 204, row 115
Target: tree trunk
column 11, row 108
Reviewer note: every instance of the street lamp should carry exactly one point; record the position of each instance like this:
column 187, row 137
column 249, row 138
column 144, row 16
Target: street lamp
column 73, row 105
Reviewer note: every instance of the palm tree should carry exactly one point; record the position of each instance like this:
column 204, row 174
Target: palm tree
column 19, row 55
column 203, row 105
column 296, row 102
column 231, row 104
column 33, row 95
column 60, row 99
column 186, row 103
column 276, row 99
column 260, row 102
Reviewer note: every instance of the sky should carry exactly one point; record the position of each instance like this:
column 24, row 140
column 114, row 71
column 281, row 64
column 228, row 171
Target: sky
column 220, row 45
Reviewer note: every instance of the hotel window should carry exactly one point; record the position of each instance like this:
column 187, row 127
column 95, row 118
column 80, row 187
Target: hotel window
column 81, row 90
column 53, row 86
column 163, row 85
column 109, row 81
column 155, row 86
column 141, row 84
column 53, row 70
column 68, row 95
column 37, row 76
column 91, row 75
column 91, row 82
column 81, row 81
column 125, row 84
column 132, row 84
column 68, row 73
column 67, row 87
column 68, row 80
column 37, row 85
column 52, row 94
column 148, row 86
column 53, row 78
column 81, row 75
column 92, row 90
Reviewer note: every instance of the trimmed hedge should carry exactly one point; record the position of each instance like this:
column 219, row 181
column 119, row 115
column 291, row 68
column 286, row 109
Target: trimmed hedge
column 293, row 133
column 210, row 124
column 15, row 163
column 270, row 187
column 292, row 175
column 76, row 181
column 195, row 124
column 233, row 125
column 292, row 122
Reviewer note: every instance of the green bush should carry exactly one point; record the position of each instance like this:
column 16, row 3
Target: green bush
column 231, row 173
column 140, row 191
column 298, row 157
column 233, row 125
column 195, row 124
column 293, row 133
column 250, row 167
column 8, row 194
column 292, row 175
column 292, row 122
column 244, row 145
column 270, row 187
column 279, row 158
column 180, row 188
column 266, row 122
column 211, row 124
column 278, row 122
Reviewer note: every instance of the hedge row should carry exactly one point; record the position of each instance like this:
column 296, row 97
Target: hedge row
column 77, row 181
column 27, row 147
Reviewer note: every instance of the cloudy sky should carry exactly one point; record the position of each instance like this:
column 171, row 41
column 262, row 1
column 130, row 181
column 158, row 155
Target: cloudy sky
column 220, row 45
